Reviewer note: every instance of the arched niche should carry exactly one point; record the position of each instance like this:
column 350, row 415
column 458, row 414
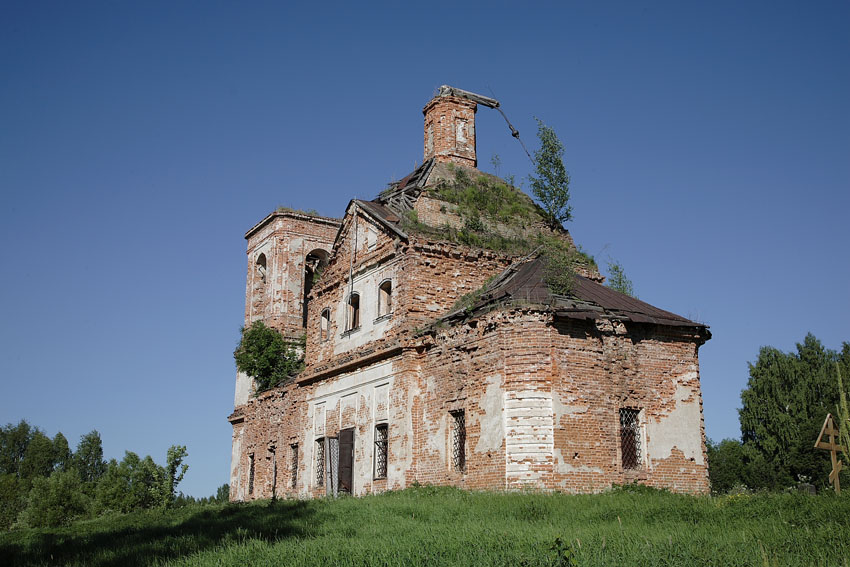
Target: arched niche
column 314, row 265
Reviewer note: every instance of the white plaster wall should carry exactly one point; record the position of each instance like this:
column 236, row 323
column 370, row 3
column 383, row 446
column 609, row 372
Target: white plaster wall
column 492, row 420
column 680, row 429
column 530, row 435
column 244, row 388
column 237, row 490
column 360, row 390
column 366, row 284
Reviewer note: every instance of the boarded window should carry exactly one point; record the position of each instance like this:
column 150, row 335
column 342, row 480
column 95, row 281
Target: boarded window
column 381, row 432
column 459, row 440
column 320, row 462
column 293, row 467
column 251, row 473
column 353, row 312
column 630, row 438
column 325, row 325
column 385, row 298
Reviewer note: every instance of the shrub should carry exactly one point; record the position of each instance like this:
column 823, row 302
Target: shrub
column 266, row 357
column 55, row 501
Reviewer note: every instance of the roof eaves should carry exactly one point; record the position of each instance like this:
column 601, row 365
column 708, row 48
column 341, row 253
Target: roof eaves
column 268, row 218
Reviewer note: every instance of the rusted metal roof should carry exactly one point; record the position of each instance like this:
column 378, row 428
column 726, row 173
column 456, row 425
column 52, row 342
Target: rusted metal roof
column 524, row 283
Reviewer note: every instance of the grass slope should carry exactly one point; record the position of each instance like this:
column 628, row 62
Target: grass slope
column 445, row 526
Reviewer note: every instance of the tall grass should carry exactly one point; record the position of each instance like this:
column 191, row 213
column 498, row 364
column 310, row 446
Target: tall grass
column 445, row 526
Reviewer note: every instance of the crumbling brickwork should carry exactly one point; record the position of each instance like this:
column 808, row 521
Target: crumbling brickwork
column 514, row 387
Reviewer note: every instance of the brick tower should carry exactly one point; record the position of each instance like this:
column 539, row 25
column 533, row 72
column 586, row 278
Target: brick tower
column 450, row 128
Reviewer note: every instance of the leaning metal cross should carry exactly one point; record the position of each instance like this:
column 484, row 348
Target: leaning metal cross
column 833, row 448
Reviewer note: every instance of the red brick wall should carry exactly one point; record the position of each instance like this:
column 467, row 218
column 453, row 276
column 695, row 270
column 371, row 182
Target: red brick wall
column 450, row 130
column 286, row 238
column 541, row 396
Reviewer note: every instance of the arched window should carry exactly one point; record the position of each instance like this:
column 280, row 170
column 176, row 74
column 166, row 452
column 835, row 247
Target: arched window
column 325, row 325
column 261, row 267
column 353, row 319
column 385, row 298
column 314, row 264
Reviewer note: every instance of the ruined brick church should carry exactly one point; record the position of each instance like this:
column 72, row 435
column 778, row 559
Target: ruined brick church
column 435, row 357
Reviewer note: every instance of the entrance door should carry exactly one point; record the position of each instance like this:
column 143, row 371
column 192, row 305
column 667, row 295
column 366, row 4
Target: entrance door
column 346, row 461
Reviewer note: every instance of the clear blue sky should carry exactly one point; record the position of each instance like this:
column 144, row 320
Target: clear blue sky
column 709, row 147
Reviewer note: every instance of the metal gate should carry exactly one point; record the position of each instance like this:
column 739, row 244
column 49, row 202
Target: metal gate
column 332, row 466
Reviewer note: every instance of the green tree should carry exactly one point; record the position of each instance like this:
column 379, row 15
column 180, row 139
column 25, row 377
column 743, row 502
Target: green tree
column 617, row 279
column 726, row 465
column 132, row 484
column 783, row 408
column 175, row 470
column 88, row 459
column 222, row 494
column 12, row 499
column 14, row 440
column 551, row 186
column 62, row 452
column 559, row 268
column 56, row 500
column 265, row 356
column 38, row 458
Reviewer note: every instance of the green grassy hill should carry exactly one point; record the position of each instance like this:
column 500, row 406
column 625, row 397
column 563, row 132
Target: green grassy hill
column 445, row 526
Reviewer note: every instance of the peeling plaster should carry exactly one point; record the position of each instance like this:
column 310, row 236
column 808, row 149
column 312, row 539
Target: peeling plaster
column 562, row 409
column 680, row 429
column 492, row 420
column 563, row 466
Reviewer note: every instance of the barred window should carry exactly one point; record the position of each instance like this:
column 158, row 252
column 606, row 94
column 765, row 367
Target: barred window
column 381, row 432
column 251, row 473
column 320, row 462
column 630, row 438
column 459, row 440
column 294, row 465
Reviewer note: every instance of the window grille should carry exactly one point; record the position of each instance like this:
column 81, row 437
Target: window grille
column 333, row 466
column 251, row 473
column 294, row 465
column 459, row 440
column 630, row 438
column 320, row 462
column 381, row 450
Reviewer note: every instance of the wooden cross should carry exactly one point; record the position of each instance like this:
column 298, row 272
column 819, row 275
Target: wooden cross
column 833, row 448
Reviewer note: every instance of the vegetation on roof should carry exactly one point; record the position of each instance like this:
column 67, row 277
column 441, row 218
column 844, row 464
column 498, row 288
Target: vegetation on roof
column 308, row 212
column 497, row 216
column 551, row 186
column 488, row 201
column 467, row 301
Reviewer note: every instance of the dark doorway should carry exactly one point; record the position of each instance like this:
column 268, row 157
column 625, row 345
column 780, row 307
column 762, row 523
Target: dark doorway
column 346, row 461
